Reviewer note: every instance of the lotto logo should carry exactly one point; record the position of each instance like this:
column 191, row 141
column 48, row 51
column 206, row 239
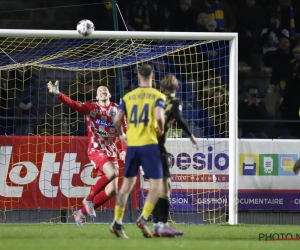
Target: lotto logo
column 267, row 164
column 15, row 178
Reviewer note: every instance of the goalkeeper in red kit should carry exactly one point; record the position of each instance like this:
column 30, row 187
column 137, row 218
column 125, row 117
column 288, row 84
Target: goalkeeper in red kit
column 102, row 150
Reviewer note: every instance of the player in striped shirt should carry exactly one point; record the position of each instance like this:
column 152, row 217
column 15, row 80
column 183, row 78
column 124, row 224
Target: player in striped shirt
column 173, row 112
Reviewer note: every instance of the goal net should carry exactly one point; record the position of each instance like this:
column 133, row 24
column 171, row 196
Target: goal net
column 44, row 169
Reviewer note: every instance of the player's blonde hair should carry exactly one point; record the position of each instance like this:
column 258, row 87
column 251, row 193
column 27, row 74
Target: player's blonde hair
column 169, row 83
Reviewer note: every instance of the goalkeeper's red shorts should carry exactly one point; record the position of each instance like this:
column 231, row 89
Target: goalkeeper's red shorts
column 98, row 159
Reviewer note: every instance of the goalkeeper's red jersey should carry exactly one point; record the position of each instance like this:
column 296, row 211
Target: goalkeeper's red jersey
column 102, row 134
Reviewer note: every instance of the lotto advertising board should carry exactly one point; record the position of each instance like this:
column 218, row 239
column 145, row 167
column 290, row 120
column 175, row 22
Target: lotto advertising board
column 55, row 173
column 265, row 177
column 46, row 173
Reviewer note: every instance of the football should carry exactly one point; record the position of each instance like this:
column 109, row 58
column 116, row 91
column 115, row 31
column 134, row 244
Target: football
column 85, row 27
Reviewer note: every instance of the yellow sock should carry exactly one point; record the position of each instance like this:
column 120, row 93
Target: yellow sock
column 119, row 213
column 147, row 210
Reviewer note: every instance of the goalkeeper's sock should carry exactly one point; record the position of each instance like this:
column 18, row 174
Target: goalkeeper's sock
column 99, row 186
column 119, row 213
column 147, row 210
column 83, row 211
column 161, row 210
column 100, row 199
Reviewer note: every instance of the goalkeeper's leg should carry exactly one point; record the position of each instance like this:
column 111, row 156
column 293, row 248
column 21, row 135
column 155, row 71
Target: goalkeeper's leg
column 100, row 199
column 108, row 169
column 161, row 228
column 109, row 192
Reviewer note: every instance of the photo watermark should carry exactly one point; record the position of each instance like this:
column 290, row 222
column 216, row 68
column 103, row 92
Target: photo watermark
column 278, row 236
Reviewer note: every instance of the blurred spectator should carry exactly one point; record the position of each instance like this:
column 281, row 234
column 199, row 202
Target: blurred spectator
column 145, row 15
column 281, row 68
column 212, row 26
column 270, row 37
column 296, row 61
column 290, row 74
column 251, row 21
column 214, row 10
column 183, row 19
column 287, row 17
column 252, row 109
column 290, row 105
column 221, row 11
column 201, row 22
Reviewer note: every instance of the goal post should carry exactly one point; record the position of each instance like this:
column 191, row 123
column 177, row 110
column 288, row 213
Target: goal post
column 233, row 131
column 150, row 46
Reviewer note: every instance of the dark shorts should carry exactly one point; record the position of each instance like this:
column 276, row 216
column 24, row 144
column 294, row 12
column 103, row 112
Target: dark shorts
column 164, row 157
column 165, row 165
column 165, row 161
column 146, row 156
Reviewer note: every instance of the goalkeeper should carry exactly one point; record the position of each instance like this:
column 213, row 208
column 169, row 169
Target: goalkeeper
column 173, row 112
column 102, row 149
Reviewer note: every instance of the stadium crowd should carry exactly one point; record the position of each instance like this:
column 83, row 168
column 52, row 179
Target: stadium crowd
column 269, row 58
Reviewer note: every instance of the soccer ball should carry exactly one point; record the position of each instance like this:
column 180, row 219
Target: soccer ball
column 85, row 27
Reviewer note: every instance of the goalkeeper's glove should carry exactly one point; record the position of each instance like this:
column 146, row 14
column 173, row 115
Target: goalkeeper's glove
column 123, row 155
column 53, row 88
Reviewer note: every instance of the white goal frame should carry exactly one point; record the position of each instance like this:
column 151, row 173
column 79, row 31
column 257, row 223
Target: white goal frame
column 233, row 81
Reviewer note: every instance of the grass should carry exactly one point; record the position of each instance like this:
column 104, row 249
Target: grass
column 97, row 236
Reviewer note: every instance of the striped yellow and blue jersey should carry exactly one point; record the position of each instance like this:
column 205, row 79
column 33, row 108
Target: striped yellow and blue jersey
column 139, row 106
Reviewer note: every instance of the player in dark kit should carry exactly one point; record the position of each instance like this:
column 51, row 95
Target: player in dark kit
column 173, row 112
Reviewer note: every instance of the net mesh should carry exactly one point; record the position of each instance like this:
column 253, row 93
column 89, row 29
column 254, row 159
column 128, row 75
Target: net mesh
column 45, row 171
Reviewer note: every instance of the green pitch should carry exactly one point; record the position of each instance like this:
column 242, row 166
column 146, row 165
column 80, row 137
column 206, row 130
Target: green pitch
column 205, row 237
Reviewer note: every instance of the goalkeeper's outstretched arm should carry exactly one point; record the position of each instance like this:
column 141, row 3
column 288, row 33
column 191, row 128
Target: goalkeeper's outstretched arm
column 77, row 106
